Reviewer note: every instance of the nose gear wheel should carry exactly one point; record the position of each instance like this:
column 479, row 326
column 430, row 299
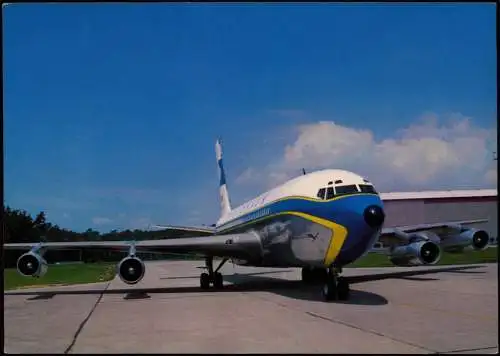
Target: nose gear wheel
column 335, row 287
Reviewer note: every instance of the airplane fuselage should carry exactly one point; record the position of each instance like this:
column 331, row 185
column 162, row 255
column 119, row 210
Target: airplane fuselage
column 305, row 222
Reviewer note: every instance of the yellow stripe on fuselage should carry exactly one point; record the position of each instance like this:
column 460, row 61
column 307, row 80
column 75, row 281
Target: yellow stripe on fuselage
column 339, row 234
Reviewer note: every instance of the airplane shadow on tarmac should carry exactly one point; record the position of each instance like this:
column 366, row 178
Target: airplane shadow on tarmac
column 258, row 282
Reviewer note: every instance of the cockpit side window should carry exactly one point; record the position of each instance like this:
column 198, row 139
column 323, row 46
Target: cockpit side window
column 330, row 193
column 321, row 193
column 346, row 189
column 366, row 188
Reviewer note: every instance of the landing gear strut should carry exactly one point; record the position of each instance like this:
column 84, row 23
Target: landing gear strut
column 335, row 287
column 212, row 277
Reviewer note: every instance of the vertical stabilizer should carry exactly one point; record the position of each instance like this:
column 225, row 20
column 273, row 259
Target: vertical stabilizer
column 225, row 205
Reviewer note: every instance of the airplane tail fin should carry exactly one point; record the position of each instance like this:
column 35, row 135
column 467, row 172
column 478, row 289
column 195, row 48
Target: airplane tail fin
column 225, row 205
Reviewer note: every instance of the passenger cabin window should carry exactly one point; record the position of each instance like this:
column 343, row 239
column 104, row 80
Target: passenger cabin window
column 365, row 188
column 330, row 193
column 321, row 193
column 346, row 189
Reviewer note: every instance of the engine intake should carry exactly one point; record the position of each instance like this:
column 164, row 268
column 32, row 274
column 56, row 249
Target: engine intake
column 31, row 264
column 131, row 270
column 471, row 238
column 416, row 253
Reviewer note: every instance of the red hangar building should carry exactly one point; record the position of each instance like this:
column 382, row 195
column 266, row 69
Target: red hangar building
column 408, row 208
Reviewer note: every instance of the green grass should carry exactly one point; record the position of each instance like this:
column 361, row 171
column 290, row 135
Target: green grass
column 490, row 255
column 62, row 274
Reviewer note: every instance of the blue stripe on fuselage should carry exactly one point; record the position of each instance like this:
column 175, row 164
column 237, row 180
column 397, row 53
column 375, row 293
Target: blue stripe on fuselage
column 342, row 210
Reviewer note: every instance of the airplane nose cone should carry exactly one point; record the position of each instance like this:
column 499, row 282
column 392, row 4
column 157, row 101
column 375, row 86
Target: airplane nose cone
column 374, row 216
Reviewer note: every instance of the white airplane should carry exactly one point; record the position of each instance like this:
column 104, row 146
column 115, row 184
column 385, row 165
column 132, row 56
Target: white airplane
column 320, row 222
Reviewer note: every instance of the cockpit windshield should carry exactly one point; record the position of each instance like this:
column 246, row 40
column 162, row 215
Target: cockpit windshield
column 331, row 192
column 366, row 188
column 346, row 189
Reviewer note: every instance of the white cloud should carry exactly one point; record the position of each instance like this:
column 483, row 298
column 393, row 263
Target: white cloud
column 248, row 175
column 101, row 220
column 426, row 155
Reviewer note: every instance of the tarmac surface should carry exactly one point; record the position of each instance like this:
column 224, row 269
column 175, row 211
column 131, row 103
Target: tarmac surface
column 392, row 310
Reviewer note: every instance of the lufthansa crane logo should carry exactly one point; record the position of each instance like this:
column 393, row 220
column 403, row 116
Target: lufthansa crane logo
column 311, row 236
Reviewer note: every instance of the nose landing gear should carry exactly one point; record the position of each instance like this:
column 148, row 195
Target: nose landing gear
column 335, row 287
column 314, row 275
column 212, row 277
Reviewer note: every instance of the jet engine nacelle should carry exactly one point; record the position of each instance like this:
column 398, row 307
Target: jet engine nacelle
column 131, row 269
column 416, row 253
column 32, row 264
column 476, row 239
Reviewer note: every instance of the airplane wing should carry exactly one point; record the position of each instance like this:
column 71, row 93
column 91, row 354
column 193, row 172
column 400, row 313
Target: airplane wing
column 422, row 244
column 232, row 245
column 131, row 268
column 186, row 230
column 401, row 235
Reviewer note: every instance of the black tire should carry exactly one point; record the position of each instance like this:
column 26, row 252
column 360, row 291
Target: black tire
column 320, row 275
column 330, row 290
column 204, row 281
column 343, row 289
column 306, row 275
column 218, row 280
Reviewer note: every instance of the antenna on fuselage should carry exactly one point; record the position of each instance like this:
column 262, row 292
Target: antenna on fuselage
column 303, row 171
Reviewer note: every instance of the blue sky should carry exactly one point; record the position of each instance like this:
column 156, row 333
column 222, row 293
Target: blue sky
column 111, row 110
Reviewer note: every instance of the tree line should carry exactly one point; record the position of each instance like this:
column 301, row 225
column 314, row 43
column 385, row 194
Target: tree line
column 21, row 227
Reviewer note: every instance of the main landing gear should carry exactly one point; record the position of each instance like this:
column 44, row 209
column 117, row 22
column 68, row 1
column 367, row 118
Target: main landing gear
column 334, row 286
column 212, row 277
